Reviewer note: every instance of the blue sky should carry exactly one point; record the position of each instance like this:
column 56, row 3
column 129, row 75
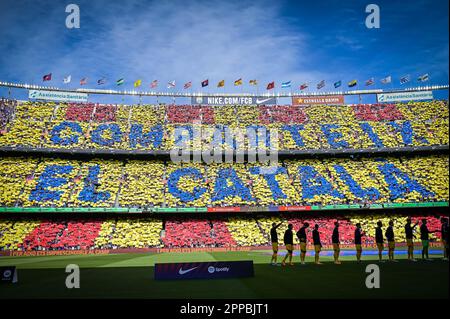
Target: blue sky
column 300, row 41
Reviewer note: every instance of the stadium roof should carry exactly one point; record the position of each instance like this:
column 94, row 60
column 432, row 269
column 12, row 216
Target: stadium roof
column 194, row 94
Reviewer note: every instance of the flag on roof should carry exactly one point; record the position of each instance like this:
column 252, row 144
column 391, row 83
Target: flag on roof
column 120, row 81
column 47, row 77
column 238, row 82
column 83, row 81
column 337, row 84
column 154, row 84
column 221, row 84
column 253, row 82
column 405, row 79
column 101, row 81
column 205, row 83
column 386, row 80
column 67, row 79
column 352, row 83
column 171, row 84
column 370, row 81
column 321, row 84
column 137, row 83
column 423, row 78
column 286, row 84
column 270, row 86
column 303, row 86
column 187, row 85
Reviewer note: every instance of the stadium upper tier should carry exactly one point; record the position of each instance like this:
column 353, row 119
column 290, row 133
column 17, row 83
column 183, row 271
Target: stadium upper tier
column 112, row 233
column 160, row 127
column 47, row 182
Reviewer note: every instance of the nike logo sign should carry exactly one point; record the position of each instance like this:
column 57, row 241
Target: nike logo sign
column 182, row 272
column 262, row 101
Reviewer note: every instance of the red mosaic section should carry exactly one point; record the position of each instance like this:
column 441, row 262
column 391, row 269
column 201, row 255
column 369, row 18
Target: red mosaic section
column 105, row 113
column 62, row 235
column 281, row 114
column 190, row 113
column 79, row 112
column 197, row 233
column 377, row 112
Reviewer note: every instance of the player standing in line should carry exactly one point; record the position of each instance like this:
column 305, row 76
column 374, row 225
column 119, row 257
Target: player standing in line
column 379, row 240
column 409, row 234
column 289, row 243
column 444, row 235
column 274, row 240
column 336, row 243
column 317, row 244
column 390, row 236
column 301, row 235
column 358, row 245
column 425, row 238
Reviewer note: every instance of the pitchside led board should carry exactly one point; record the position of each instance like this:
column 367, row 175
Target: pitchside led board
column 232, row 100
column 8, row 274
column 204, row 270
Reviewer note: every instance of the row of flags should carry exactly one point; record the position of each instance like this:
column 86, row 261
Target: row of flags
column 238, row 82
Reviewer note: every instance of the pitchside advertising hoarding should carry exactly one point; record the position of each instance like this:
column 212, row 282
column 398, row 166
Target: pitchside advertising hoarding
column 8, row 274
column 405, row 96
column 233, row 100
column 318, row 100
column 58, row 96
column 204, row 270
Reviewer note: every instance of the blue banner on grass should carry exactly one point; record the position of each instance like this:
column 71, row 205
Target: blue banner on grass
column 204, row 270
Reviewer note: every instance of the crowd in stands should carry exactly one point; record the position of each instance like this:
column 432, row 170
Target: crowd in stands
column 182, row 232
column 188, row 233
column 46, row 182
column 158, row 127
column 62, row 235
column 7, row 109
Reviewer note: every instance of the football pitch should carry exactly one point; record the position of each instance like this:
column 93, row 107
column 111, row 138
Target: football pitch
column 131, row 276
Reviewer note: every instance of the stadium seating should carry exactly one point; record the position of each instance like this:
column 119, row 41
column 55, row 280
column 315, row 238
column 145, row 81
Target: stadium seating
column 129, row 233
column 182, row 232
column 7, row 109
column 58, row 235
column 48, row 182
column 14, row 231
column 154, row 127
column 187, row 233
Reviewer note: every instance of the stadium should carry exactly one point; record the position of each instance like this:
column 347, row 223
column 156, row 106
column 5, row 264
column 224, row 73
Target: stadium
column 87, row 179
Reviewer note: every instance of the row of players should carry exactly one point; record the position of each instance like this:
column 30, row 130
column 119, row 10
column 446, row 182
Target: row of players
column 359, row 233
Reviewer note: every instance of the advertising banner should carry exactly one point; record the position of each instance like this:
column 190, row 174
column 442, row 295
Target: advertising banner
column 219, row 209
column 293, row 208
column 58, row 96
column 405, row 96
column 318, row 100
column 8, row 274
column 204, row 270
column 232, row 100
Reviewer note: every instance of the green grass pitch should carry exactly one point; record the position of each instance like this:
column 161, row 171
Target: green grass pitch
column 131, row 276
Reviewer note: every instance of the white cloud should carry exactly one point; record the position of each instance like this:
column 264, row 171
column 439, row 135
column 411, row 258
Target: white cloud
column 165, row 40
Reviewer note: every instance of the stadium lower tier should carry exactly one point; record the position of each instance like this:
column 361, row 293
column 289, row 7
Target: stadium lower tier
column 46, row 182
column 25, row 234
column 282, row 127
